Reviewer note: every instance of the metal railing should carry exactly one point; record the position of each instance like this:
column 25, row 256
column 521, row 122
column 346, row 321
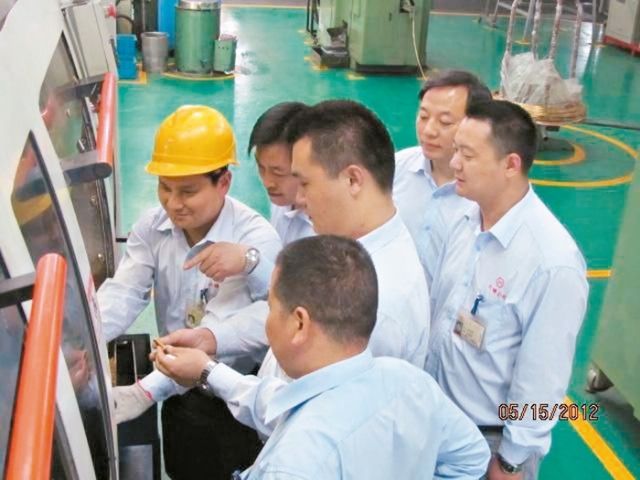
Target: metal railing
column 31, row 442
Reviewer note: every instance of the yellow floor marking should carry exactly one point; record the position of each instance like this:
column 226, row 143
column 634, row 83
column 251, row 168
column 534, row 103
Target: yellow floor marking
column 355, row 76
column 599, row 273
column 180, row 76
column 621, row 145
column 599, row 447
column 141, row 80
column 610, row 182
column 578, row 156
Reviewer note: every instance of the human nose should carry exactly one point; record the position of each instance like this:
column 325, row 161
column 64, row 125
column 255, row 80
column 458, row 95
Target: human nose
column 455, row 162
column 301, row 199
column 429, row 128
column 174, row 202
column 269, row 181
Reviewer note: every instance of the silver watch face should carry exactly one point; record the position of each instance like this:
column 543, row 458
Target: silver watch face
column 202, row 382
column 252, row 257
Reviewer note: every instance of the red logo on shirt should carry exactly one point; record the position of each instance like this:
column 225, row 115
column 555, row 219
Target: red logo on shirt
column 497, row 289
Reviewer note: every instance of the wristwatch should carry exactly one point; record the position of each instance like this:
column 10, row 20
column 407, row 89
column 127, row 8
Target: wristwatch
column 251, row 260
column 507, row 467
column 208, row 368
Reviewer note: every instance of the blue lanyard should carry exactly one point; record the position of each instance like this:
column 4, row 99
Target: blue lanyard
column 476, row 303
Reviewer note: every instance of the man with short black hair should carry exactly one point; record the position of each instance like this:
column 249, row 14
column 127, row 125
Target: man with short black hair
column 346, row 415
column 192, row 151
column 268, row 140
column 509, row 294
column 423, row 188
column 343, row 158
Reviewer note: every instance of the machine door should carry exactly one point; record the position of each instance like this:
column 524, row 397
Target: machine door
column 37, row 212
column 66, row 106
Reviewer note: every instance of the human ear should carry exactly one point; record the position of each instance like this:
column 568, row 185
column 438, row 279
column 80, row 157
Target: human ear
column 300, row 326
column 354, row 175
column 513, row 165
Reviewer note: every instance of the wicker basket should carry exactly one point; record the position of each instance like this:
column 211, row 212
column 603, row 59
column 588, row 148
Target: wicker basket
column 556, row 115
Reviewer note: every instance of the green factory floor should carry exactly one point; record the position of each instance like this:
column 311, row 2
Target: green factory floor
column 587, row 194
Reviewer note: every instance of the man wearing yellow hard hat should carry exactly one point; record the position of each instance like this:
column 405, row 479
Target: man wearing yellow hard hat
column 193, row 149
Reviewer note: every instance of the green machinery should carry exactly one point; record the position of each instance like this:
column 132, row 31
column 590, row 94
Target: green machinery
column 378, row 35
column 615, row 351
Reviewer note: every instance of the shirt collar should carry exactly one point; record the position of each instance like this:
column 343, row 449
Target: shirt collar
column 222, row 228
column 446, row 189
column 505, row 229
column 292, row 213
column 382, row 235
column 313, row 384
column 419, row 163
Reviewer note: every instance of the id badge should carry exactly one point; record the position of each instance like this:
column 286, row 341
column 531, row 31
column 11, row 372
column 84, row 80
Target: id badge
column 471, row 329
column 194, row 315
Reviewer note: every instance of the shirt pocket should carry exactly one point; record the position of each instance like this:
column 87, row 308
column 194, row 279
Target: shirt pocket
column 501, row 323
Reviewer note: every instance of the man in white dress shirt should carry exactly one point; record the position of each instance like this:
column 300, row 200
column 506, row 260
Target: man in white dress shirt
column 423, row 188
column 192, row 151
column 509, row 294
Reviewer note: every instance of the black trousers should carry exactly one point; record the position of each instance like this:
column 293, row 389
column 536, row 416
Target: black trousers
column 202, row 440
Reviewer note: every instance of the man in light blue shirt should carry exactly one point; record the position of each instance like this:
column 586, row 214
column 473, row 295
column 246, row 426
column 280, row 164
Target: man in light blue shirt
column 192, row 151
column 509, row 294
column 346, row 415
column 423, row 188
column 273, row 155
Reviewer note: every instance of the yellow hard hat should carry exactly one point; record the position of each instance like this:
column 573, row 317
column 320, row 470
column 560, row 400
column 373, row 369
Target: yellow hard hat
column 192, row 140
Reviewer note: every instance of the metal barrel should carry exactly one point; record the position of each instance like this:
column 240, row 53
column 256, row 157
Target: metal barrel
column 197, row 28
column 155, row 50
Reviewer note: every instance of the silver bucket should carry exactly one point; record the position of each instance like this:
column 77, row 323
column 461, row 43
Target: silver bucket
column 224, row 53
column 155, row 50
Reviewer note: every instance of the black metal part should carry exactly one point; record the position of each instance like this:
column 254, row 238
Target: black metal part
column 138, row 438
column 16, row 290
column 80, row 168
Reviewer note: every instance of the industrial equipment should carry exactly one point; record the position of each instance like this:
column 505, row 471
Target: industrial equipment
column 615, row 350
column 377, row 35
column 623, row 24
column 58, row 156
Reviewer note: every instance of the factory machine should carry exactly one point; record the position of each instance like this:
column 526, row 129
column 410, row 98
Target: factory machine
column 58, row 204
column 615, row 352
column 370, row 35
